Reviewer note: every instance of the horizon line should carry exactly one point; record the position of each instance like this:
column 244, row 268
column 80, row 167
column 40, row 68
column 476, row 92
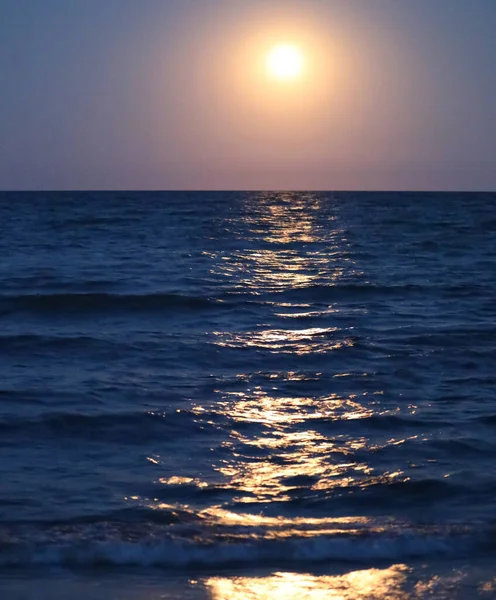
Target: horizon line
column 252, row 191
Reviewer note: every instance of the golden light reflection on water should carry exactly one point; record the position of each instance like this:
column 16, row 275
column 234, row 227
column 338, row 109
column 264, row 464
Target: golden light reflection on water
column 367, row 584
column 488, row 587
column 291, row 457
column 262, row 407
column 278, row 222
column 281, row 445
column 300, row 464
column 274, row 270
column 297, row 245
column 303, row 463
column 289, row 217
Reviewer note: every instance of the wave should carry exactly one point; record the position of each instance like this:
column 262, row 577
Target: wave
column 116, row 544
column 73, row 302
column 319, row 292
column 89, row 302
column 52, row 283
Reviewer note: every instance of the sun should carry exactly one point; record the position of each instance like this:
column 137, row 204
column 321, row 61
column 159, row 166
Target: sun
column 285, row 62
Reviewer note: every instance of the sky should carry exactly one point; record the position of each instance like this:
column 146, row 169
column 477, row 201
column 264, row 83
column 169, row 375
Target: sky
column 175, row 94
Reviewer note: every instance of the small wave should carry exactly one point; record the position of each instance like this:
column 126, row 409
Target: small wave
column 321, row 292
column 94, row 221
column 88, row 302
column 488, row 225
column 421, row 488
column 30, row 342
column 51, row 283
column 464, row 446
column 487, row 419
column 453, row 337
column 378, row 421
column 386, row 493
column 126, row 428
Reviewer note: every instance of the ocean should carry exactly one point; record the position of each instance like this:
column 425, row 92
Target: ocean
column 247, row 395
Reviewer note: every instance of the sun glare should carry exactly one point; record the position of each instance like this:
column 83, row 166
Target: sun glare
column 285, row 62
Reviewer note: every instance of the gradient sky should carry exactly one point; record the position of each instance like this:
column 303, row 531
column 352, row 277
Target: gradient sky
column 170, row 94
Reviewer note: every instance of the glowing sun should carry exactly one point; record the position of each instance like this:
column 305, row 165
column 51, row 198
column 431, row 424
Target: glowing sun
column 285, row 62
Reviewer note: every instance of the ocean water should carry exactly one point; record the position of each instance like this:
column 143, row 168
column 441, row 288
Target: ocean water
column 263, row 394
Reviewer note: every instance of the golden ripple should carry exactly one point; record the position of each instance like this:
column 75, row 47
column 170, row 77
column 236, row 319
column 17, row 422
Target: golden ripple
column 260, row 407
column 176, row 480
column 259, row 526
column 295, row 459
column 308, row 314
column 315, row 340
column 222, row 516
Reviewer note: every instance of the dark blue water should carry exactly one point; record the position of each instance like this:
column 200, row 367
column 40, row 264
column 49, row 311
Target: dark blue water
column 246, row 378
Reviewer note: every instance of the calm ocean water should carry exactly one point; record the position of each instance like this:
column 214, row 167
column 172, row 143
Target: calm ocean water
column 236, row 380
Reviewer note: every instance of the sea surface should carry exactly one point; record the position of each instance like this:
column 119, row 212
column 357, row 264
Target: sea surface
column 256, row 395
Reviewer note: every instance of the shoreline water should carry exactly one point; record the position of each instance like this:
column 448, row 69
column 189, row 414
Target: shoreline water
column 438, row 579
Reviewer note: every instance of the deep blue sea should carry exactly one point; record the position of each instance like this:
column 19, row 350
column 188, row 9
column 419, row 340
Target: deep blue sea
column 226, row 382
